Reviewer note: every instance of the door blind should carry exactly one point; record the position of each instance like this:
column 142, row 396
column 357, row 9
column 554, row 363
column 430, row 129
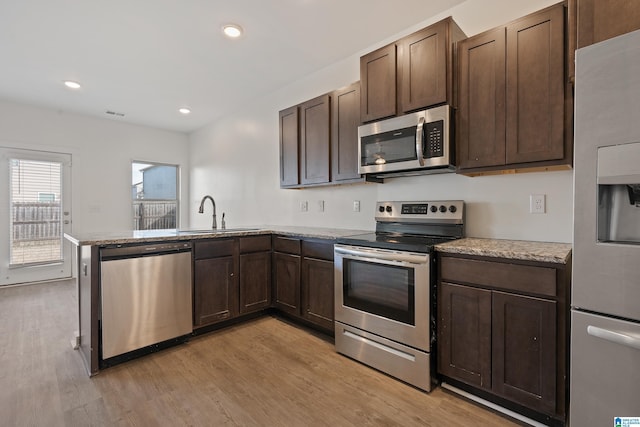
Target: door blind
column 35, row 212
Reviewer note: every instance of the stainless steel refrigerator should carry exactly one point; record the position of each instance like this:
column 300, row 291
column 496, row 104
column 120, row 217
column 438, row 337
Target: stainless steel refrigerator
column 605, row 301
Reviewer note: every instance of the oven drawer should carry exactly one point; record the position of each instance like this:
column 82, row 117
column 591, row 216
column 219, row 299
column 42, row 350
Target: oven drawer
column 405, row 363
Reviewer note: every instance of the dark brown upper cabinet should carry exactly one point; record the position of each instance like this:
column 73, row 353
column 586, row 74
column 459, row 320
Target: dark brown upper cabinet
column 593, row 21
column 513, row 89
column 289, row 153
column 314, row 140
column 345, row 119
column 378, row 84
column 413, row 73
column 481, row 105
column 599, row 20
column 319, row 140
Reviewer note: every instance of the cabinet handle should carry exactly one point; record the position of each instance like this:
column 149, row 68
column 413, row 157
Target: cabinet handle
column 614, row 337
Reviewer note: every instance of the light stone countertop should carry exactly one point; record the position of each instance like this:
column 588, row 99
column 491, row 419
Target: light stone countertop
column 146, row 236
column 558, row 253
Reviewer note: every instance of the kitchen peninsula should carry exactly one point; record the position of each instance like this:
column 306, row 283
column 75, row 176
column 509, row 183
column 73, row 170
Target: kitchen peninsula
column 238, row 261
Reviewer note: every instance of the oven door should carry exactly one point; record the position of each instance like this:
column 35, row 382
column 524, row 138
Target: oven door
column 384, row 292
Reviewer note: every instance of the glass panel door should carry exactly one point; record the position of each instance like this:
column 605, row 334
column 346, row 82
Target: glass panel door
column 35, row 211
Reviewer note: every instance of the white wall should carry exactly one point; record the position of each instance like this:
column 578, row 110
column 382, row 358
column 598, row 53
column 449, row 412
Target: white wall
column 236, row 161
column 102, row 151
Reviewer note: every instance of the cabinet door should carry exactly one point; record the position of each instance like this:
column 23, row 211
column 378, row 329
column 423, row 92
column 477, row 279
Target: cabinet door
column 422, row 61
column 289, row 147
column 464, row 334
column 602, row 20
column 481, row 113
column 345, row 119
column 378, row 84
column 215, row 290
column 524, row 350
column 317, row 292
column 314, row 141
column 255, row 281
column 287, row 282
column 535, row 87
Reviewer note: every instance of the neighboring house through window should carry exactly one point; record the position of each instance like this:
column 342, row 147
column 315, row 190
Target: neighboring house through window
column 154, row 190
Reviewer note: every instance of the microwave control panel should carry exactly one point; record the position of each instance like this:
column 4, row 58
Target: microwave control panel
column 433, row 139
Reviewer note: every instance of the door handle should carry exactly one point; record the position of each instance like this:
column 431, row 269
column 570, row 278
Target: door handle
column 419, row 141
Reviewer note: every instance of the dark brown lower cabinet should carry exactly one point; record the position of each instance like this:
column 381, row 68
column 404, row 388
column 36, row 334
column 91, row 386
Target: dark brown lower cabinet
column 286, row 271
column 524, row 350
column 231, row 277
column 303, row 279
column 502, row 330
column 215, row 282
column 317, row 291
column 464, row 334
column 255, row 273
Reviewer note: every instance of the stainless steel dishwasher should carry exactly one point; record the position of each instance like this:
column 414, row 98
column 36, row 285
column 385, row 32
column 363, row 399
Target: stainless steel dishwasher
column 146, row 295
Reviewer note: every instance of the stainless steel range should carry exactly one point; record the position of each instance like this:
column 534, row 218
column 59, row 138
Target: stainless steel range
column 385, row 287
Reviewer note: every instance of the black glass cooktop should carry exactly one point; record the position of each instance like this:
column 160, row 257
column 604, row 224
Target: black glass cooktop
column 394, row 241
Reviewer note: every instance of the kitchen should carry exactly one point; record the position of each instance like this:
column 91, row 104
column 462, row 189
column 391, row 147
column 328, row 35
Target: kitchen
column 498, row 206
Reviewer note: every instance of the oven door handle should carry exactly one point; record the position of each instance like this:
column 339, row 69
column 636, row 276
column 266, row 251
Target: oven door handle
column 373, row 254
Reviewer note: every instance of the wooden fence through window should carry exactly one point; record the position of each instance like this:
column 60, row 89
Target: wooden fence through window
column 154, row 214
column 35, row 221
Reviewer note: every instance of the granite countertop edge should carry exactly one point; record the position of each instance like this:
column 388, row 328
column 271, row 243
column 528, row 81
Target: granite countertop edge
column 126, row 237
column 551, row 252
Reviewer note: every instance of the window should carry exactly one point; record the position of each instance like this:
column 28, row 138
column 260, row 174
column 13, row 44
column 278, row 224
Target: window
column 154, row 192
column 35, row 219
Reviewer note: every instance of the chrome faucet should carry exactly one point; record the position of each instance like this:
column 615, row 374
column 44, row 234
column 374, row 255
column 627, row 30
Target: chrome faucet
column 201, row 210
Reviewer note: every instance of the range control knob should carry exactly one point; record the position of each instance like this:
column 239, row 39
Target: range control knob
column 452, row 209
column 443, row 208
column 388, row 209
column 380, row 209
column 434, row 208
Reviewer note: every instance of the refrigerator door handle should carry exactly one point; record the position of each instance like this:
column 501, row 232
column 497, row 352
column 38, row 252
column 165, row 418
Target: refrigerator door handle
column 614, row 336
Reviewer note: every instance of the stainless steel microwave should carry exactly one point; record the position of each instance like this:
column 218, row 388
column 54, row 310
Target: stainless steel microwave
column 412, row 144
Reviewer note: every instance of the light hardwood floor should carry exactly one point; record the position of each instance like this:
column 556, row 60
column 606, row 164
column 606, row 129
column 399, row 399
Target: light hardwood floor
column 266, row 372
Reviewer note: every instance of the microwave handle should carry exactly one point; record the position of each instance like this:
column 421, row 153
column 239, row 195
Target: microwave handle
column 419, row 134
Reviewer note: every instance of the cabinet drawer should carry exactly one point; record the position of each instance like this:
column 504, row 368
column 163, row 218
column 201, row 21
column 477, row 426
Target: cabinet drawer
column 214, row 248
column 286, row 245
column 255, row 244
column 320, row 250
column 520, row 278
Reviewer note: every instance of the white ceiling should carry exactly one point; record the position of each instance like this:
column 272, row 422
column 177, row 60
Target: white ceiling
column 147, row 58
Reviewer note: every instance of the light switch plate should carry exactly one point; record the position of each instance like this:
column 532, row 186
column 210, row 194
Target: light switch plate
column 304, row 206
column 356, row 205
column 320, row 205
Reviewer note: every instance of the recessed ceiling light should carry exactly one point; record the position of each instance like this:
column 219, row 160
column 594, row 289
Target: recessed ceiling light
column 232, row 30
column 184, row 110
column 71, row 84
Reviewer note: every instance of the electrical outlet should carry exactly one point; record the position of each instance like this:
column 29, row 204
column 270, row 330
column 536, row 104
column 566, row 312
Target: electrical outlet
column 320, row 205
column 356, row 205
column 304, row 206
column 537, row 204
